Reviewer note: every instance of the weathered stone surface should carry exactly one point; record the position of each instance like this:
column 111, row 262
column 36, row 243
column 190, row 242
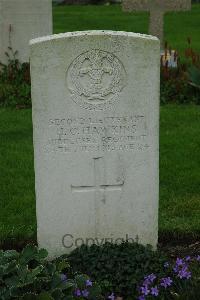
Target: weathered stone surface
column 20, row 21
column 157, row 8
column 96, row 118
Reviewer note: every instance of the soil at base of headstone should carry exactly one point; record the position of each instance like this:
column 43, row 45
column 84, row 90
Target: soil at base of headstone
column 180, row 246
column 173, row 247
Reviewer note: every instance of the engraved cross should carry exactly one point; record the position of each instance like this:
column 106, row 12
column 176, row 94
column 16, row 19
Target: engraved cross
column 98, row 187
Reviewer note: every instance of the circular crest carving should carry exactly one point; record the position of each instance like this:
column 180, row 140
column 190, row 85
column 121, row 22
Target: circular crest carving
column 95, row 79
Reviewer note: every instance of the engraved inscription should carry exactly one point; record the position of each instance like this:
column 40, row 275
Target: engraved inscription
column 85, row 134
column 95, row 79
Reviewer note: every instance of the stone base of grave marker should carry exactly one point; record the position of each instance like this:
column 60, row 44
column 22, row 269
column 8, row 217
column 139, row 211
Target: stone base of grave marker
column 96, row 129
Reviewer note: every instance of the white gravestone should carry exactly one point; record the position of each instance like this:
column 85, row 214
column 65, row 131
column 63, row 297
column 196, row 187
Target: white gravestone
column 20, row 21
column 96, row 125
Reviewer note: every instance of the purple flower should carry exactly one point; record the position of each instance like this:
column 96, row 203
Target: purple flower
column 141, row 297
column 88, row 282
column 179, row 262
column 184, row 273
column 166, row 265
column 111, row 297
column 144, row 290
column 198, row 258
column 154, row 291
column 179, row 265
column 149, row 279
column 63, row 278
column 176, row 269
column 85, row 293
column 77, row 292
column 165, row 282
column 188, row 258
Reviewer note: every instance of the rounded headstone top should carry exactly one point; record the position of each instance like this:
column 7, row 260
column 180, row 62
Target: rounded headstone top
column 93, row 33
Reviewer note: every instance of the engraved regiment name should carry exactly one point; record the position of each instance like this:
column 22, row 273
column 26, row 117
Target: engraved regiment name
column 85, row 134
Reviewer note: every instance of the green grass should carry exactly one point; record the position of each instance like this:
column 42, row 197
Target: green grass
column 17, row 198
column 178, row 26
column 180, row 169
column 179, row 173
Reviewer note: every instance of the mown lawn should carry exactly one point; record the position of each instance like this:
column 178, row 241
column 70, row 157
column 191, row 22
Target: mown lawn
column 178, row 26
column 179, row 173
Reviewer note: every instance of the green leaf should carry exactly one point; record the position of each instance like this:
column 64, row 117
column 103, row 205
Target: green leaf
column 42, row 254
column 57, row 294
column 62, row 265
column 57, row 282
column 44, row 296
column 69, row 285
column 29, row 297
column 9, row 255
column 12, row 281
column 22, row 272
column 81, row 280
column 94, row 292
column 8, row 268
column 28, row 254
column 15, row 292
column 36, row 271
column 50, row 268
column 4, row 293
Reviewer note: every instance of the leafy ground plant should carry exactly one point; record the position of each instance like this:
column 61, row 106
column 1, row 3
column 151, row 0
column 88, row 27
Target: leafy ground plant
column 194, row 69
column 181, row 281
column 181, row 84
column 117, row 268
column 30, row 276
column 15, row 85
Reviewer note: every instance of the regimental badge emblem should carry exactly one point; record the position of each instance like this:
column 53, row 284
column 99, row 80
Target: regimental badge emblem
column 95, row 79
